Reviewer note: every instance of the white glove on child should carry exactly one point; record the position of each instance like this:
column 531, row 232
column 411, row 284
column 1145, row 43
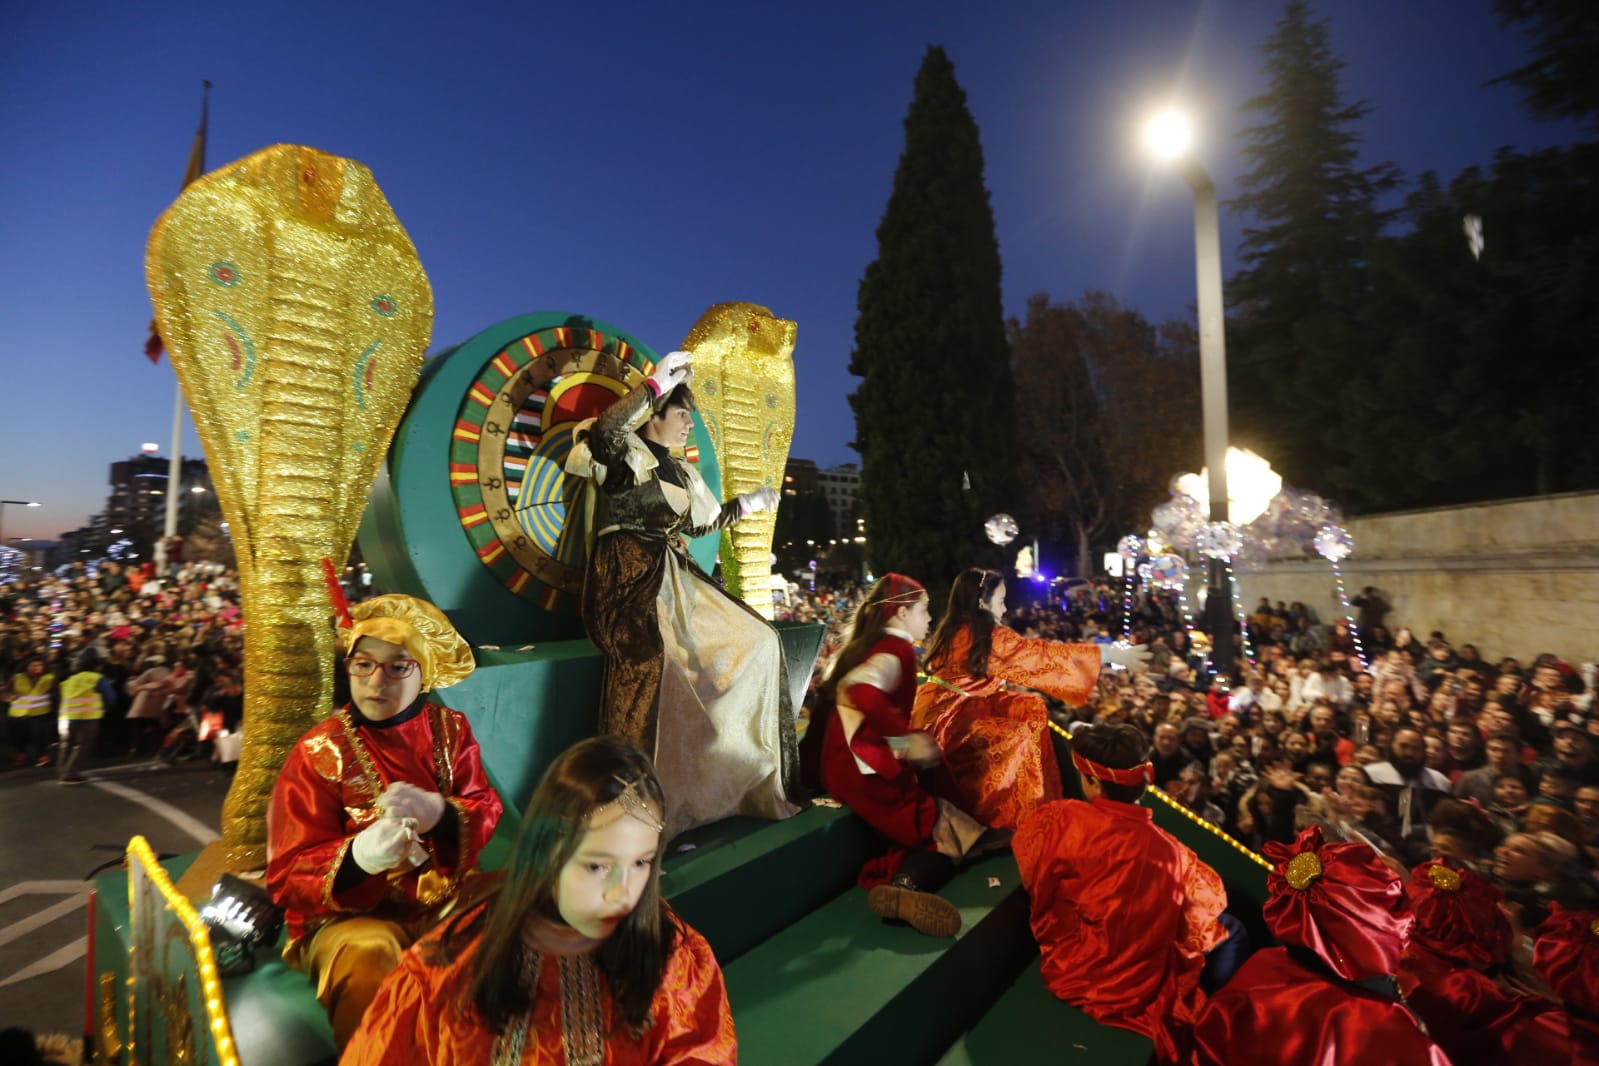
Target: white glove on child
column 383, row 845
column 672, row 371
column 405, row 800
column 762, row 499
column 1134, row 657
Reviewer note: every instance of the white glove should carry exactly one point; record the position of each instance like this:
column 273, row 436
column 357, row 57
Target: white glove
column 383, row 845
column 1134, row 657
column 672, row 371
column 762, row 499
column 405, row 800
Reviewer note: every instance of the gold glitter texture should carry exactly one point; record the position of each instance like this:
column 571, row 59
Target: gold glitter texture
column 1303, row 869
column 1443, row 878
column 744, row 387
column 295, row 312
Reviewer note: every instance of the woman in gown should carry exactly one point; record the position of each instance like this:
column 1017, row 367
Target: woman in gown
column 976, row 703
column 573, row 957
column 691, row 674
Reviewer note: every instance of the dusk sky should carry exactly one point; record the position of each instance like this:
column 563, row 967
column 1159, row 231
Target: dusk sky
column 640, row 162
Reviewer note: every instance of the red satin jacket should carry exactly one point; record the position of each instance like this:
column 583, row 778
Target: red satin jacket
column 1275, row 1012
column 1123, row 913
column 327, row 791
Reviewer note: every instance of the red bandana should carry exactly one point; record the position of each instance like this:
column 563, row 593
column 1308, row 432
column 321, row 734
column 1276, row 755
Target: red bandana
column 1133, row 776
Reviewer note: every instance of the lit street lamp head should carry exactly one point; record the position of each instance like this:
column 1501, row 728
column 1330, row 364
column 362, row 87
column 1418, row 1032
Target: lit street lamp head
column 1169, row 135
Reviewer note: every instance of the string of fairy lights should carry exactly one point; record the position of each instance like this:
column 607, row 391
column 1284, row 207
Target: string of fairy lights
column 1349, row 614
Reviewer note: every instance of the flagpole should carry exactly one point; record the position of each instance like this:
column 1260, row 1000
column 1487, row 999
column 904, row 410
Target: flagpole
column 195, row 168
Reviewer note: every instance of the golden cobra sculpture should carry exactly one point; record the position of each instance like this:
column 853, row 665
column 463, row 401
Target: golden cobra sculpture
column 296, row 313
column 744, row 387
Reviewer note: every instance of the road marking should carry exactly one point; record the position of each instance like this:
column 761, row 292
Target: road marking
column 40, row 919
column 44, row 888
column 180, row 818
column 51, row 962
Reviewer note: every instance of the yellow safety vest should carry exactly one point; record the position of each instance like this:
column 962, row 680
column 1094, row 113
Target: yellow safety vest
column 31, row 697
column 80, row 701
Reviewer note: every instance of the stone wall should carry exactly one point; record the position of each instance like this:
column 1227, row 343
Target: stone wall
column 1515, row 577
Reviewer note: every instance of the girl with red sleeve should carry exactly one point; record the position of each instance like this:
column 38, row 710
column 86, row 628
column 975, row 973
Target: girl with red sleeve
column 574, row 958
column 994, row 735
column 889, row 774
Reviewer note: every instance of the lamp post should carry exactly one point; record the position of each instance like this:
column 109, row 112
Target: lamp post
column 19, row 503
column 1170, row 137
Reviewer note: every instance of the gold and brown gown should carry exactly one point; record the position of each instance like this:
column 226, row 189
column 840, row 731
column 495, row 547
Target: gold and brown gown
column 694, row 676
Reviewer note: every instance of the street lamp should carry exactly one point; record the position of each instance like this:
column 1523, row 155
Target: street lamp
column 1169, row 136
column 19, row 503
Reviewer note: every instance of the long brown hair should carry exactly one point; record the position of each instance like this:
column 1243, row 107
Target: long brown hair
column 587, row 775
column 892, row 591
column 965, row 608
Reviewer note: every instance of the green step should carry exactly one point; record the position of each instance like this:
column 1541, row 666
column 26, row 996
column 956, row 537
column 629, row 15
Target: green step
column 1029, row 1024
column 746, row 878
column 842, row 986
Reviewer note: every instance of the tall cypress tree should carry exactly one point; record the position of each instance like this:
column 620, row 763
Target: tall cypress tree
column 1298, row 328
column 933, row 413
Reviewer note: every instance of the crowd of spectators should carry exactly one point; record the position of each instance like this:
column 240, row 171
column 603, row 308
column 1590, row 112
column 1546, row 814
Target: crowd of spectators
column 170, row 647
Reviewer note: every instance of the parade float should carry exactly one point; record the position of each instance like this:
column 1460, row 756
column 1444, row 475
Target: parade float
column 297, row 315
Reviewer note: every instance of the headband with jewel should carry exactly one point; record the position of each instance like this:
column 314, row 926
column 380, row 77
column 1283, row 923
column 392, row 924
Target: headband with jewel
column 632, row 803
column 899, row 591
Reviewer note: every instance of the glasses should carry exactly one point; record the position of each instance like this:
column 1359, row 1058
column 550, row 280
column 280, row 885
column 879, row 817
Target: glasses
column 394, row 669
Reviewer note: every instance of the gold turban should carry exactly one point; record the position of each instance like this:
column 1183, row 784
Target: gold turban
column 418, row 627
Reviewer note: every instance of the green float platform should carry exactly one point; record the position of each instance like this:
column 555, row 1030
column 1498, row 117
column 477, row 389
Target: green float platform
column 812, row 975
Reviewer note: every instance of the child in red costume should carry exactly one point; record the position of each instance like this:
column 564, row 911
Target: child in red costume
column 1328, row 996
column 1123, row 913
column 894, row 777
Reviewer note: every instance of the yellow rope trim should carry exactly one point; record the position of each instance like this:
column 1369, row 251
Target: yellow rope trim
column 216, row 1007
column 1253, row 856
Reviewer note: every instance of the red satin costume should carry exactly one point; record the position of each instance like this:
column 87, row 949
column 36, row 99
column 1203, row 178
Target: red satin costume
column 325, row 795
column 892, row 796
column 1123, row 914
column 996, row 739
column 419, row 1016
column 1275, row 1012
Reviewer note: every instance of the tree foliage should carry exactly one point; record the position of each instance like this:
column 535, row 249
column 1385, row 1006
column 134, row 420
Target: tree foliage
column 1562, row 79
column 1299, row 298
column 1478, row 390
column 933, row 415
column 1107, row 412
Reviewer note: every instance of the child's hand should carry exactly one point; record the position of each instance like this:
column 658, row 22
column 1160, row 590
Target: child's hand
column 921, row 750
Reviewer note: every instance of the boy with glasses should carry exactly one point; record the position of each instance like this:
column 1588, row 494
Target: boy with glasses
column 380, row 811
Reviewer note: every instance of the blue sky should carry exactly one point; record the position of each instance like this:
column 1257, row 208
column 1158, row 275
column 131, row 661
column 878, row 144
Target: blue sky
column 640, row 162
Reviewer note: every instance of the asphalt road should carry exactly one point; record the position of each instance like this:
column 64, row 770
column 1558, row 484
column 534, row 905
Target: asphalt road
column 51, row 838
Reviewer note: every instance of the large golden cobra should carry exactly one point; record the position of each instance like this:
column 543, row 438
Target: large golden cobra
column 744, row 386
column 296, row 314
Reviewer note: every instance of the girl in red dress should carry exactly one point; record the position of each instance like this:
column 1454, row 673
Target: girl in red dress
column 574, row 958
column 888, row 773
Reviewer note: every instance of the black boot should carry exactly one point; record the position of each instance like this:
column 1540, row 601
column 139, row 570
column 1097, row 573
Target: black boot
column 910, row 896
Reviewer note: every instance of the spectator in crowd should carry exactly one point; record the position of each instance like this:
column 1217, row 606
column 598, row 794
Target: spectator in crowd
column 1168, row 757
column 1412, row 787
column 1503, row 757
